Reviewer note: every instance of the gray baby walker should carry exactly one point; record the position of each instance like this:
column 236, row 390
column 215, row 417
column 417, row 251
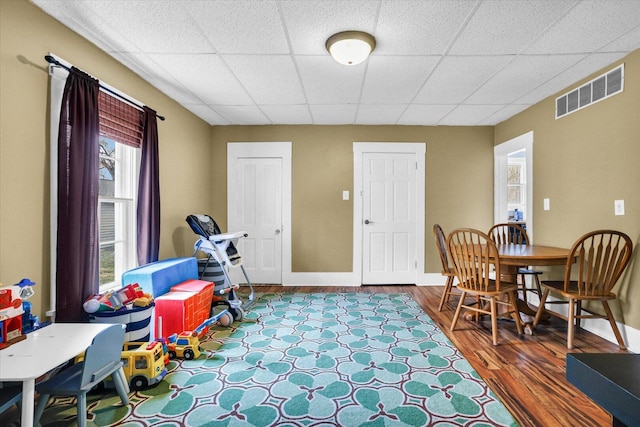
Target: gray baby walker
column 222, row 255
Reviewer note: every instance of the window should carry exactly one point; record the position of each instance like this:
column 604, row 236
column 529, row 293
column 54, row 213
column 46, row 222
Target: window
column 120, row 139
column 516, row 184
column 117, row 210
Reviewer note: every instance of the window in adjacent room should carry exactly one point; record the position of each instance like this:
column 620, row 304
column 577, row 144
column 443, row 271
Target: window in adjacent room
column 516, row 183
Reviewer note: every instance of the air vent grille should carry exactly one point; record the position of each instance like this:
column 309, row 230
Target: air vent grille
column 602, row 87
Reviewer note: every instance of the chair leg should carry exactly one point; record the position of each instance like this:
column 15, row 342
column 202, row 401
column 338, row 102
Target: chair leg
column 40, row 407
column 446, row 293
column 494, row 321
column 571, row 323
column 122, row 386
column 456, row 315
column 513, row 297
column 541, row 309
column 82, row 410
column 614, row 326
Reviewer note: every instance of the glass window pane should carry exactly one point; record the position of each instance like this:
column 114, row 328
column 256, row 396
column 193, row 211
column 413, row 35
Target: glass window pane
column 107, row 264
column 514, row 194
column 107, row 222
column 107, row 168
column 513, row 174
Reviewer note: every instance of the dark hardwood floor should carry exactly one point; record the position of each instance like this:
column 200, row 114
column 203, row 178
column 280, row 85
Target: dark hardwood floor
column 526, row 372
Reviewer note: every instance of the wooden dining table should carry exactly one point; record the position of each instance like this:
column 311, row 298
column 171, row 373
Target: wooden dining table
column 513, row 256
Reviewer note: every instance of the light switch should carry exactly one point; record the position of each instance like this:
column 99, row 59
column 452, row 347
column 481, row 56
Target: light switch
column 618, row 207
column 345, row 195
column 546, row 204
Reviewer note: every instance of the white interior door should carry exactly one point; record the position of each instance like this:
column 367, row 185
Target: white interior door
column 255, row 205
column 389, row 218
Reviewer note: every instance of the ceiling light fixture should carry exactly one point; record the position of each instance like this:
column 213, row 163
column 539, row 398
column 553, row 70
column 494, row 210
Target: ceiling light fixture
column 350, row 47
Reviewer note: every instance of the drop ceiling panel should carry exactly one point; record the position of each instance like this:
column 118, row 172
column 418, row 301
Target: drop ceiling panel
column 158, row 26
column 261, row 30
column 506, row 86
column 457, row 77
column 395, row 80
column 276, row 83
column 426, row 115
column 206, row 76
column 327, row 82
column 469, row 115
column 242, row 114
column 333, row 114
column 576, row 32
column 207, row 114
column 505, row 27
column 427, row 27
column 288, row 114
column 379, row 114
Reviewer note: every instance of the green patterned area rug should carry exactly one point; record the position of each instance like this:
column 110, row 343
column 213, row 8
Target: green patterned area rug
column 322, row 359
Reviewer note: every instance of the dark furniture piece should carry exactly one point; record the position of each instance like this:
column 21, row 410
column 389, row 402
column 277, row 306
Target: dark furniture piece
column 612, row 380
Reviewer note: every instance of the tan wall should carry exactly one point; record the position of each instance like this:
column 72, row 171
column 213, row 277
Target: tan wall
column 459, row 183
column 26, row 35
column 582, row 163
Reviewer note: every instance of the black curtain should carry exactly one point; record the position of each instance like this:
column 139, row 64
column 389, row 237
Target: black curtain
column 77, row 263
column 149, row 191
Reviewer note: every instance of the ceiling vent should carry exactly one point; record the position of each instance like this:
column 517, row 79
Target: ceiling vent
column 602, row 87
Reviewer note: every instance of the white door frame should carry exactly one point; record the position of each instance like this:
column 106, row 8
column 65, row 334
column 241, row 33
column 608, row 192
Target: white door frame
column 269, row 150
column 500, row 153
column 359, row 148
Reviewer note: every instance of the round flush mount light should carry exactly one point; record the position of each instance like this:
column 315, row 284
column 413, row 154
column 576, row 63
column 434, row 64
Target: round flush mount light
column 350, row 47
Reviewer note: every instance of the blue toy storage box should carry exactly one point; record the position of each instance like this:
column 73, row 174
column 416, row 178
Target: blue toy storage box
column 158, row 277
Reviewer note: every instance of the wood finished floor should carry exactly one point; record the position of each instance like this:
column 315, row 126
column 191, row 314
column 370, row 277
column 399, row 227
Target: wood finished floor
column 526, row 372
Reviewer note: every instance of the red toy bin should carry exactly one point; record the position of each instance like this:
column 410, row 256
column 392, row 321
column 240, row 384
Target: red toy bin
column 204, row 291
column 179, row 312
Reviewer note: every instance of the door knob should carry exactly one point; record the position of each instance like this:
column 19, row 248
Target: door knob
column 277, row 231
column 366, row 221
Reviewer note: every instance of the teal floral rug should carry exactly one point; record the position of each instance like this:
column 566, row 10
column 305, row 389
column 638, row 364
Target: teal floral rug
column 302, row 360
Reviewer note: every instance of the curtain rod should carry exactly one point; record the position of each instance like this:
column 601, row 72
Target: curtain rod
column 51, row 60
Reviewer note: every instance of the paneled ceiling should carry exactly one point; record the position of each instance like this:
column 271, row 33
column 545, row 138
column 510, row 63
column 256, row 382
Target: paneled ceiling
column 437, row 62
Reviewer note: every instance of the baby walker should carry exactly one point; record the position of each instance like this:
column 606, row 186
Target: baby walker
column 222, row 255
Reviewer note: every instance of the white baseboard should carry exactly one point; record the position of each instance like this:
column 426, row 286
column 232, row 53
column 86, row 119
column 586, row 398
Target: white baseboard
column 600, row 327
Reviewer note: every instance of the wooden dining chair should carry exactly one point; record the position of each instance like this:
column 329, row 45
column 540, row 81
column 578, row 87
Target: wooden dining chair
column 505, row 233
column 595, row 263
column 447, row 270
column 474, row 256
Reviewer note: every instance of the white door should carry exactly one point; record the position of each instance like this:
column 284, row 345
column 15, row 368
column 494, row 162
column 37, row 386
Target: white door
column 255, row 205
column 389, row 218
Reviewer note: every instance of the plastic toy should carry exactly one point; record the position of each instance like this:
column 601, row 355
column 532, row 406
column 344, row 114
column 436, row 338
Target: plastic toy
column 12, row 311
column 187, row 344
column 143, row 364
column 115, row 300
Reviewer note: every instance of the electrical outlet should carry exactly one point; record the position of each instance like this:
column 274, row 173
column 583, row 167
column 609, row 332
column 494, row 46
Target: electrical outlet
column 618, row 207
column 546, row 204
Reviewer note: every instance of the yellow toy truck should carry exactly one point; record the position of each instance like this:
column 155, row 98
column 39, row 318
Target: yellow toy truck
column 185, row 345
column 143, row 364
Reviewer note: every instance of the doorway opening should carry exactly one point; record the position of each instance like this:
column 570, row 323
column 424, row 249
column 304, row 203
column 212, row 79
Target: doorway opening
column 513, row 182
